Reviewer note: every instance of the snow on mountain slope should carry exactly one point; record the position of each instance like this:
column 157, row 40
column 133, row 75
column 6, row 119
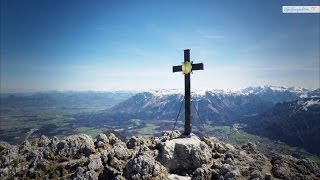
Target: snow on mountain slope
column 224, row 106
column 295, row 92
column 296, row 123
column 306, row 104
column 277, row 94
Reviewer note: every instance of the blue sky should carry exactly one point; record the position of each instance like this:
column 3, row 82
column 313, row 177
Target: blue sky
column 130, row 45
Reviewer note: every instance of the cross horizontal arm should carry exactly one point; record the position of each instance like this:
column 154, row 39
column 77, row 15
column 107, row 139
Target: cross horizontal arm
column 198, row 66
column 177, row 68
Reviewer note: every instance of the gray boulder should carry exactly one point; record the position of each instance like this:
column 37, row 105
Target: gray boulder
column 120, row 151
column 170, row 135
column 288, row 167
column 255, row 174
column 113, row 139
column 100, row 144
column 202, row 173
column 101, row 141
column 103, row 138
column 137, row 141
column 43, row 141
column 104, row 156
column 219, row 147
column 82, row 175
column 25, row 147
column 53, row 143
column 184, row 154
column 118, row 155
column 75, row 144
column 95, row 162
column 145, row 167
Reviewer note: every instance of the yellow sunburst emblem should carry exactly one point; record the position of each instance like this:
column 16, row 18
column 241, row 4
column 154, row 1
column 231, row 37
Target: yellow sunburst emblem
column 187, row 67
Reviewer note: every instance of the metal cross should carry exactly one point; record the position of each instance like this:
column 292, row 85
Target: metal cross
column 187, row 67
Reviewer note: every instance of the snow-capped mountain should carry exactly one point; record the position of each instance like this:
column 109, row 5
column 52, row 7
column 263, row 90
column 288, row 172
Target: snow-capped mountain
column 281, row 94
column 296, row 123
column 289, row 114
column 216, row 106
column 270, row 93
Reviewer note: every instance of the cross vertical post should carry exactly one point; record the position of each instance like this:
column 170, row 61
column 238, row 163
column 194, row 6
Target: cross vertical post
column 187, row 67
column 187, row 113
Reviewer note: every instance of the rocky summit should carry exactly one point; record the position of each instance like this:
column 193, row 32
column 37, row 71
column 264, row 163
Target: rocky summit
column 171, row 156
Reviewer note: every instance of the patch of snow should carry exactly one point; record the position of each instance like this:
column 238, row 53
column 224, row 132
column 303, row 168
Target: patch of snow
column 300, row 92
column 312, row 102
column 309, row 103
column 264, row 88
column 165, row 92
column 278, row 88
column 196, row 92
column 212, row 108
column 199, row 92
column 305, row 95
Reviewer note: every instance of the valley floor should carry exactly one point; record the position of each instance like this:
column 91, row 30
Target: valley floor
column 17, row 126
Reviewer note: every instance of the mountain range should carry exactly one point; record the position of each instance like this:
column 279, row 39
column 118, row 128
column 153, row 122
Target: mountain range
column 288, row 114
column 291, row 115
column 215, row 106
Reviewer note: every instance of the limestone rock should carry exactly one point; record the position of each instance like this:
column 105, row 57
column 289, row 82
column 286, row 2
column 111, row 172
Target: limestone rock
column 113, row 139
column 225, row 169
column 53, row 143
column 95, row 162
column 91, row 175
column 256, row 174
column 288, row 167
column 170, row 135
column 43, row 141
column 250, row 147
column 210, row 141
column 25, row 147
column 201, row 173
column 136, row 141
column 104, row 156
column 100, row 144
column 120, row 151
column 145, row 167
column 184, row 154
column 111, row 173
column 108, row 157
column 268, row 176
column 219, row 148
column 75, row 144
column 102, row 138
column 118, row 155
column 101, row 141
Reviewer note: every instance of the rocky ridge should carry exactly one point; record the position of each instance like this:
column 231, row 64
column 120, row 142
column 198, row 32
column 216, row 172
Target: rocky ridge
column 171, row 156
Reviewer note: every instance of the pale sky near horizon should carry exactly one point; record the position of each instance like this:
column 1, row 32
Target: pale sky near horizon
column 132, row 45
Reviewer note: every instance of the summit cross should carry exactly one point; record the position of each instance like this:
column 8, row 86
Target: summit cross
column 187, row 67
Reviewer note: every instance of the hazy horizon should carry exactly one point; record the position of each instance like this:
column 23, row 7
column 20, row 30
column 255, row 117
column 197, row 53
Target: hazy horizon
column 151, row 89
column 112, row 45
